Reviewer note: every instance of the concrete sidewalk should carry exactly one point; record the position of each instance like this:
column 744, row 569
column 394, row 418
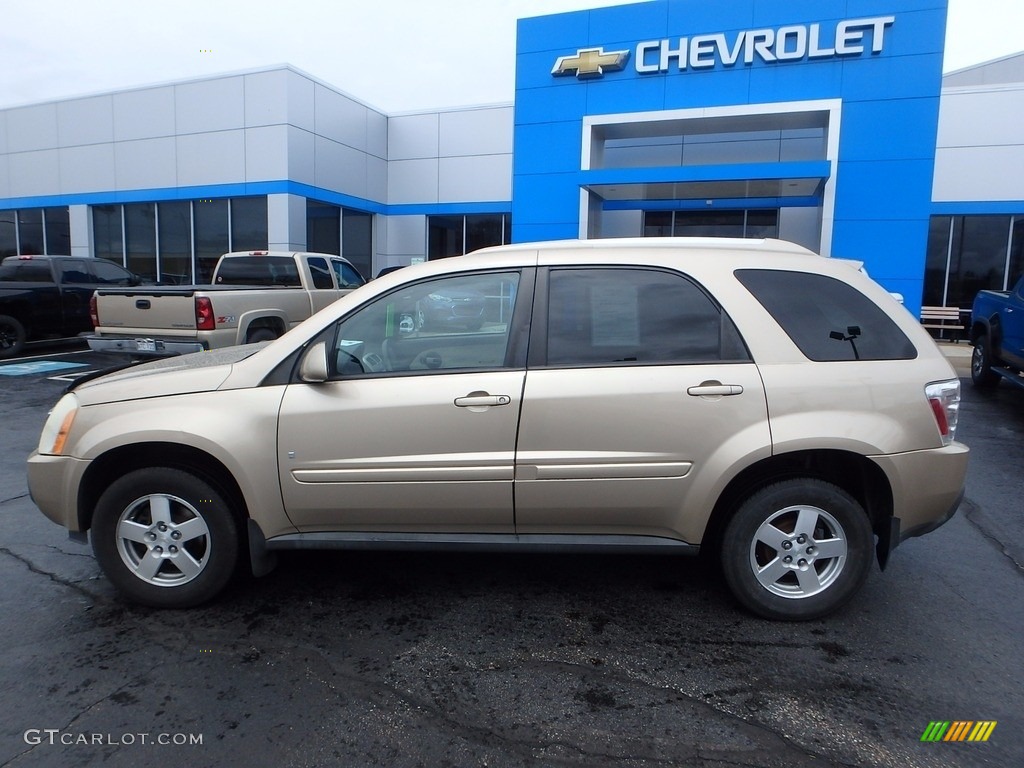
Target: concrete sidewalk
column 959, row 355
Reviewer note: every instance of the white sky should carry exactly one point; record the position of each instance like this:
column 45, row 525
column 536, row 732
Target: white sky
column 397, row 55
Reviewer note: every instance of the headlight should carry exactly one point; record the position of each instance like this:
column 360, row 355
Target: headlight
column 58, row 425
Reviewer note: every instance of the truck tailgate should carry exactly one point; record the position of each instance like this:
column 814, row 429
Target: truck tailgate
column 129, row 310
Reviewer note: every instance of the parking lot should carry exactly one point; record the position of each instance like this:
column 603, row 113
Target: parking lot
column 376, row 659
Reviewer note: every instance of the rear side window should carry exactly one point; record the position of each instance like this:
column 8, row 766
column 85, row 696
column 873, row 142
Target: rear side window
column 633, row 316
column 74, row 273
column 320, row 273
column 258, row 270
column 827, row 319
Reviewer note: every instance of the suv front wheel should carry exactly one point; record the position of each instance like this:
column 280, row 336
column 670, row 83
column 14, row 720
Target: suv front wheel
column 797, row 549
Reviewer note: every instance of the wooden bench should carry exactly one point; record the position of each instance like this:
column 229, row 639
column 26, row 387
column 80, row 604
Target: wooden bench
column 943, row 319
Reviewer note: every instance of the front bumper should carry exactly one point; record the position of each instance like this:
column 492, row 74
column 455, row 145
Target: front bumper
column 143, row 345
column 53, row 483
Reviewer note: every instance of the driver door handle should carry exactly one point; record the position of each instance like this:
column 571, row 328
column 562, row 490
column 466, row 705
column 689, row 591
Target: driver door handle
column 714, row 389
column 478, row 400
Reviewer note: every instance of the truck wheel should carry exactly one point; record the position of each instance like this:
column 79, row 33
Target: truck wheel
column 12, row 336
column 165, row 538
column 257, row 335
column 981, row 365
column 797, row 550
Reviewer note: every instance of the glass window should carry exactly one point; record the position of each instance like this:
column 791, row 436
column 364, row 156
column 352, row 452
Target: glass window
column 175, row 219
column 58, row 230
column 762, row 223
column 357, row 240
column 211, row 236
column 658, row 224
column 614, row 316
column 935, row 261
column 1017, row 252
column 8, row 233
column 259, row 270
column 704, row 224
column 26, row 272
column 320, row 272
column 826, row 318
column 483, row 231
column 74, row 273
column 140, row 239
column 249, row 224
column 106, row 233
column 30, row 231
column 346, row 276
column 979, row 256
column 440, row 325
column 106, row 273
column 323, row 227
column 444, row 236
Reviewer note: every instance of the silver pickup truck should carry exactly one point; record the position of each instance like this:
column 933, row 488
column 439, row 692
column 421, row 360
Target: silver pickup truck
column 255, row 296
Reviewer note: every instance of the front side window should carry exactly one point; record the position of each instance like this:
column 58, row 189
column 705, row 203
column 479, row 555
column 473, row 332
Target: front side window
column 633, row 316
column 458, row 323
column 106, row 273
column 346, row 275
column 826, row 318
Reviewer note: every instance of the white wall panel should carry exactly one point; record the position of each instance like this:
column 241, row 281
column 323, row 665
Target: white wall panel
column 301, row 156
column 30, row 128
column 476, row 132
column 5, row 176
column 144, row 114
column 978, row 173
column 412, row 181
column 376, row 179
column 146, row 164
column 980, row 118
column 266, row 98
column 34, row 173
column 3, row 132
column 88, row 168
column 411, row 137
column 286, row 222
column 211, row 158
column 376, row 134
column 80, row 225
column 340, row 168
column 339, row 118
column 85, row 121
column 803, row 227
column 486, row 177
column 301, row 101
column 407, row 237
column 266, row 153
column 210, row 105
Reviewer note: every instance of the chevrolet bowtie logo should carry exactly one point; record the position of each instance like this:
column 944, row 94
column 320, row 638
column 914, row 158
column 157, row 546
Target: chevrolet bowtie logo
column 590, row 62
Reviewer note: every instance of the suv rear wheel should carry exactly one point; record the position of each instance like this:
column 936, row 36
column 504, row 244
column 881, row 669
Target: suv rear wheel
column 165, row 538
column 797, row 549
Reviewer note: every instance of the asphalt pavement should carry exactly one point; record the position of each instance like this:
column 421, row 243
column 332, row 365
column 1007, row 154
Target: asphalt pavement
column 377, row 659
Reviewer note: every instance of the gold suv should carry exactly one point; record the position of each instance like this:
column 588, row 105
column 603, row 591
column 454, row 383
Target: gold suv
column 748, row 398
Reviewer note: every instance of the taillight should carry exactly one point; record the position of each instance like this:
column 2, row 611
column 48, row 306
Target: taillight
column 204, row 314
column 944, row 399
column 94, row 313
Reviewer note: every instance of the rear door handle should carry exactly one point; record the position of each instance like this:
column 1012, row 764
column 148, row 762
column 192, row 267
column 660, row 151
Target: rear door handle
column 481, row 400
column 714, row 389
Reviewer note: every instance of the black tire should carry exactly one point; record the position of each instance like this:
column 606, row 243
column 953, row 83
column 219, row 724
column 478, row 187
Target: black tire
column 12, row 336
column 981, row 365
column 794, row 519
column 178, row 526
column 257, row 335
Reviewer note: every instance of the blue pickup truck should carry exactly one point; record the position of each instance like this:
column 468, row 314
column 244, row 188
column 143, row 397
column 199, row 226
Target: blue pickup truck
column 997, row 333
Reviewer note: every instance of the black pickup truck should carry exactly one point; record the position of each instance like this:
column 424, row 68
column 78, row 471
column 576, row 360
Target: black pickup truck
column 997, row 333
column 48, row 296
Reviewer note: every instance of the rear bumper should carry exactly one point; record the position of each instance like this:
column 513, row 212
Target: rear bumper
column 147, row 346
column 927, row 487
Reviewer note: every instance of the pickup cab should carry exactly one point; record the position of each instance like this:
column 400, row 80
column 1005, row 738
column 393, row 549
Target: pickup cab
column 997, row 333
column 256, row 296
column 48, row 296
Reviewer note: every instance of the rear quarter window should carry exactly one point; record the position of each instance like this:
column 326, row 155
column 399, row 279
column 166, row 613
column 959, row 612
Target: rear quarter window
column 827, row 319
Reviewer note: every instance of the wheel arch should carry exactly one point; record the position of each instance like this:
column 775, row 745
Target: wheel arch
column 116, row 462
column 253, row 321
column 857, row 475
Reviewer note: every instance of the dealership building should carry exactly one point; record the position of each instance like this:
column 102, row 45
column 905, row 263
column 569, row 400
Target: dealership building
column 828, row 123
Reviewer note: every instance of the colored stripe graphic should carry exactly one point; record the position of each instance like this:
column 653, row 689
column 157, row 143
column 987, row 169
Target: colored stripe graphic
column 958, row 730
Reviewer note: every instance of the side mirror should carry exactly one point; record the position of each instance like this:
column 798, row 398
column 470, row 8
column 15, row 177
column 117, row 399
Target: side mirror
column 313, row 368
